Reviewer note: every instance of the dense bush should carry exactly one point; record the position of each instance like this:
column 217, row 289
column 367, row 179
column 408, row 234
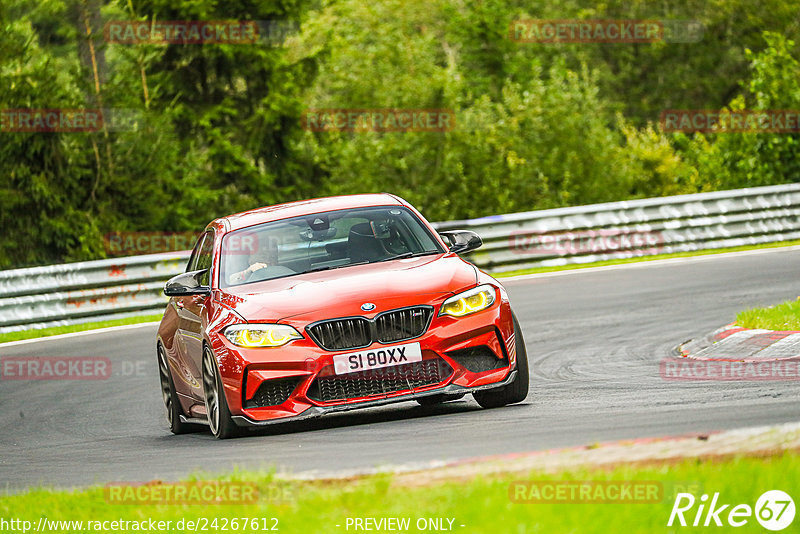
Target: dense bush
column 219, row 126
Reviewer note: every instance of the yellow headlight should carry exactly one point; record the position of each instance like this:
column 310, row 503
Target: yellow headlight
column 468, row 302
column 261, row 335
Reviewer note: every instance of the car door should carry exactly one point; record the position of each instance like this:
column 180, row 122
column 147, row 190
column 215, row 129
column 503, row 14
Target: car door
column 190, row 312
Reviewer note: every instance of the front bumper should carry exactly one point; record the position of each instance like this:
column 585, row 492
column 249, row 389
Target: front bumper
column 303, row 364
column 318, row 411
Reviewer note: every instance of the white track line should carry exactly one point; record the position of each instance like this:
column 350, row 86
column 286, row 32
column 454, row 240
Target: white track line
column 647, row 263
column 523, row 277
column 76, row 334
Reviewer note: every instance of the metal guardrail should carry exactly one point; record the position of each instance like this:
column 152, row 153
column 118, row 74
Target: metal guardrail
column 617, row 230
column 72, row 293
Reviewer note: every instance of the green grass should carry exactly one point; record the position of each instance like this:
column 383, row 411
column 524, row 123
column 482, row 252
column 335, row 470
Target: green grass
column 481, row 504
column 56, row 330
column 785, row 316
column 640, row 259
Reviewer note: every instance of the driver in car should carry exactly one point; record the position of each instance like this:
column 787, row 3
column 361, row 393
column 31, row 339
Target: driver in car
column 263, row 263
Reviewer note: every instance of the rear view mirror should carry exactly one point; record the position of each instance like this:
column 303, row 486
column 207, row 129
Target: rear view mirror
column 461, row 240
column 186, row 284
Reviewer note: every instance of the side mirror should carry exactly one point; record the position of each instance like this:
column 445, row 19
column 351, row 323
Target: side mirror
column 462, row 240
column 186, row 284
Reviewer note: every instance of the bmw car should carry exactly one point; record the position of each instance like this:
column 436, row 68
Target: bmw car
column 302, row 309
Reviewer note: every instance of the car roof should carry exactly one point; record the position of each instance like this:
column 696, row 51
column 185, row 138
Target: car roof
column 304, row 207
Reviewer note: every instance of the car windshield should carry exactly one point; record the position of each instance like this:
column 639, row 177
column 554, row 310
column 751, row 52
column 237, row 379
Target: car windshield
column 323, row 241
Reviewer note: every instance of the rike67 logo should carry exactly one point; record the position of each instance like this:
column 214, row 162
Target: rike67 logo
column 774, row 510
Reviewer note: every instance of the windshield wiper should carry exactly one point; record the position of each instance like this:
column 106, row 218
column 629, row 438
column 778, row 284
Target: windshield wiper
column 329, row 267
column 396, row 257
column 405, row 255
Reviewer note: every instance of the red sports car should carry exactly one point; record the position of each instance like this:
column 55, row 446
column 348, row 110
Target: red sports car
column 305, row 308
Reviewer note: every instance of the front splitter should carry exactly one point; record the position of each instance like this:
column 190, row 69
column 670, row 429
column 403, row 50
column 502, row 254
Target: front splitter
column 318, row 411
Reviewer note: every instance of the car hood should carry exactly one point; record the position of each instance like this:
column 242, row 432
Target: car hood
column 341, row 292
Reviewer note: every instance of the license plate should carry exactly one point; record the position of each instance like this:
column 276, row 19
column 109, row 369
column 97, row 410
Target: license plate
column 376, row 358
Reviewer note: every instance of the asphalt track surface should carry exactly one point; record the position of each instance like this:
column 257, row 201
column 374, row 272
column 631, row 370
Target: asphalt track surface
column 594, row 337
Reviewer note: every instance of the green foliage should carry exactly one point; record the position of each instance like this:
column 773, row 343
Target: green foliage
column 753, row 159
column 475, row 495
column 526, row 138
column 212, row 135
column 43, row 178
column 784, row 316
column 219, row 128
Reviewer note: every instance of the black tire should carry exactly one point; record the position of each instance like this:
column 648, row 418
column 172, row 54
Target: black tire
column 170, row 397
column 517, row 390
column 219, row 416
column 433, row 400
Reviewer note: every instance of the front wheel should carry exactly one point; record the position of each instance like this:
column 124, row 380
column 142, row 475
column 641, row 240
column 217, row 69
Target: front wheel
column 170, row 397
column 517, row 390
column 219, row 416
